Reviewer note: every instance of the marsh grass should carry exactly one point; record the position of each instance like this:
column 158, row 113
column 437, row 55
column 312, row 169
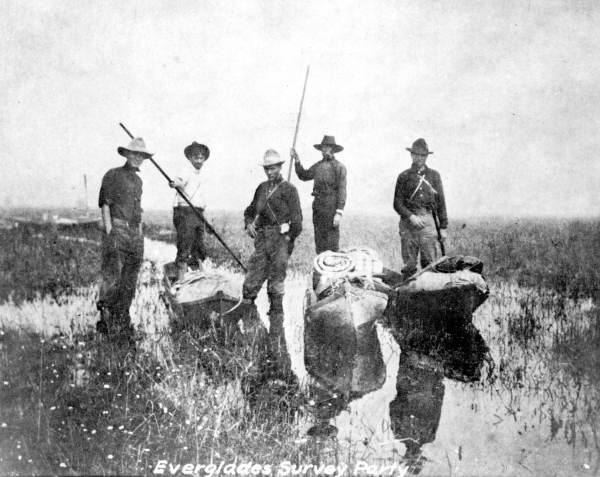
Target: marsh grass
column 72, row 403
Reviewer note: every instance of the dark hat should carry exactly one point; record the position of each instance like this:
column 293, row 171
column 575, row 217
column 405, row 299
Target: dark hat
column 194, row 148
column 329, row 141
column 420, row 147
column 136, row 145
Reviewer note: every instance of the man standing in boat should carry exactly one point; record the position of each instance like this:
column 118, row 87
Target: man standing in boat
column 190, row 228
column 419, row 200
column 123, row 243
column 329, row 191
column 274, row 220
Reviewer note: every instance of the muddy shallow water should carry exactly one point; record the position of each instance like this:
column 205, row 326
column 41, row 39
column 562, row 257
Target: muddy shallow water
column 524, row 399
column 516, row 394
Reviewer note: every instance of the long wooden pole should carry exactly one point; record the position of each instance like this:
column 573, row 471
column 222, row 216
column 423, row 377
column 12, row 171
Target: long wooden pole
column 180, row 191
column 289, row 176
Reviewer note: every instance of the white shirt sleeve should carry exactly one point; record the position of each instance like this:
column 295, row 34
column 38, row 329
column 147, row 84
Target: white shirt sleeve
column 193, row 188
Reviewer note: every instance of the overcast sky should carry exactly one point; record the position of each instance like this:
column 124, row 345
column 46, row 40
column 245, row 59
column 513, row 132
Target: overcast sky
column 505, row 93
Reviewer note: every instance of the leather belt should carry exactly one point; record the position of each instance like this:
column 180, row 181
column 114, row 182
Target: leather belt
column 126, row 223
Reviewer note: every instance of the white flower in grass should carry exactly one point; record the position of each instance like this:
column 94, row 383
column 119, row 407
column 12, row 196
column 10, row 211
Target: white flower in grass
column 109, row 456
column 62, row 465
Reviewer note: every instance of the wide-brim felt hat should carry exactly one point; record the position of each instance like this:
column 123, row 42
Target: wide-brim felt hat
column 420, row 147
column 195, row 147
column 271, row 158
column 329, row 141
column 136, row 145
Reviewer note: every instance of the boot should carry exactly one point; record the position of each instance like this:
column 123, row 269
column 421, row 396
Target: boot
column 102, row 324
column 278, row 353
column 276, row 304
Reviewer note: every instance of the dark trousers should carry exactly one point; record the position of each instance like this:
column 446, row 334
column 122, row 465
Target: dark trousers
column 122, row 255
column 190, row 236
column 268, row 262
column 327, row 237
column 415, row 242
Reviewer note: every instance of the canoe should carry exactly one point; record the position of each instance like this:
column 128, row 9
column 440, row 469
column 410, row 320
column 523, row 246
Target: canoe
column 199, row 299
column 206, row 317
column 341, row 347
column 441, row 297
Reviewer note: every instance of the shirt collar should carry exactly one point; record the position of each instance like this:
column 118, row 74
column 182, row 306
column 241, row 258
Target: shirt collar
column 416, row 170
column 276, row 181
column 129, row 167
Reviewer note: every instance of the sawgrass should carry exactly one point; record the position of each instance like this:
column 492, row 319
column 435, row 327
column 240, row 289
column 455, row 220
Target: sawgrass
column 74, row 404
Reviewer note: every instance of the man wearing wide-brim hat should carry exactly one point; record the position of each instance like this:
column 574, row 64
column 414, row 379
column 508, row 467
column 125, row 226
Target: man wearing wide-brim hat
column 123, row 244
column 191, row 251
column 329, row 191
column 274, row 220
column 419, row 200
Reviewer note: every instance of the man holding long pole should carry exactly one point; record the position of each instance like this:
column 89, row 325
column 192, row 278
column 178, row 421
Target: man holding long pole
column 186, row 199
column 329, row 191
column 419, row 200
column 191, row 251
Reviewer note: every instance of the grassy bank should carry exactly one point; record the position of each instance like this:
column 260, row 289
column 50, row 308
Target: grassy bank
column 74, row 404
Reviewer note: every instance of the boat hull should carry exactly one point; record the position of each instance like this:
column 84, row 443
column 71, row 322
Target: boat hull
column 445, row 310
column 341, row 347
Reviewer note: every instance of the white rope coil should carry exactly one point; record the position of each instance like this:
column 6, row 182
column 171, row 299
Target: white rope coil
column 333, row 264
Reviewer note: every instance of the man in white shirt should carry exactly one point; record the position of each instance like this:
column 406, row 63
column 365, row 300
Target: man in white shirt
column 190, row 228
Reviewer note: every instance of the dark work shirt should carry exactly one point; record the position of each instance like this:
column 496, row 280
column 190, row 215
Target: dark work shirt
column 121, row 190
column 426, row 197
column 330, row 180
column 276, row 204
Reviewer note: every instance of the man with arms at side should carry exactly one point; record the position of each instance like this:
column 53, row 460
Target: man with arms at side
column 123, row 243
column 419, row 200
column 274, row 220
column 329, row 191
column 190, row 228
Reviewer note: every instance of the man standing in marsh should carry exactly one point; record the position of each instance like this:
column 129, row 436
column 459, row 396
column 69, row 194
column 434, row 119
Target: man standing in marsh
column 123, row 243
column 274, row 220
column 419, row 200
column 329, row 191
column 190, row 228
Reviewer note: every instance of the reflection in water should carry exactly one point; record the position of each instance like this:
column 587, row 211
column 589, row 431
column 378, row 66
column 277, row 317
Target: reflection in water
column 416, row 410
column 425, row 360
column 346, row 369
column 533, row 410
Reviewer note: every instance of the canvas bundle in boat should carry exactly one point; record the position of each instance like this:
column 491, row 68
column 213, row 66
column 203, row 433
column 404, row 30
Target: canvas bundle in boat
column 449, row 272
column 429, row 281
column 199, row 285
